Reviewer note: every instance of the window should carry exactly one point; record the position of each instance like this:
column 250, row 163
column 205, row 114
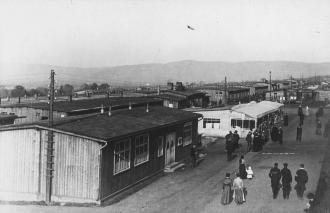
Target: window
column 246, row 124
column 122, row 156
column 160, row 146
column 252, row 124
column 141, row 149
column 179, row 141
column 187, row 133
column 236, row 122
column 210, row 120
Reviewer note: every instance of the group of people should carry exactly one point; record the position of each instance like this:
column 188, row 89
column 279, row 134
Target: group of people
column 276, row 175
column 235, row 190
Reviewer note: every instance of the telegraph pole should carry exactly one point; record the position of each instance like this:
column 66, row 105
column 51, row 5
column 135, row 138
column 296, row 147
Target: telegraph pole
column 50, row 142
column 270, row 85
column 225, row 93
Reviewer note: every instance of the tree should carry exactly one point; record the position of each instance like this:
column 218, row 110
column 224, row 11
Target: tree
column 67, row 89
column 104, row 86
column 42, row 91
column 84, row 87
column 94, row 86
column 4, row 93
column 18, row 91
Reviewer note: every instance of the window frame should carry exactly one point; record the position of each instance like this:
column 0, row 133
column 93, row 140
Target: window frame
column 129, row 155
column 135, row 149
column 160, row 154
column 180, row 141
column 189, row 141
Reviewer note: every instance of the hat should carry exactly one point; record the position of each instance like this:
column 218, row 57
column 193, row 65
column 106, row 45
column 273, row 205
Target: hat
column 302, row 165
column 275, row 164
column 227, row 174
column 285, row 164
column 235, row 131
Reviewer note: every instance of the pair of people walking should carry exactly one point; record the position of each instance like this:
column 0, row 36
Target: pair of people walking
column 233, row 190
column 276, row 175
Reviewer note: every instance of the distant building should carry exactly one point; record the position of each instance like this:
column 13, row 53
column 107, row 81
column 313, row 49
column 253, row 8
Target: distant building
column 179, row 97
column 39, row 111
column 96, row 157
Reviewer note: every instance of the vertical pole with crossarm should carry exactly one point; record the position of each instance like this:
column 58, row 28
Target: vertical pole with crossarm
column 50, row 141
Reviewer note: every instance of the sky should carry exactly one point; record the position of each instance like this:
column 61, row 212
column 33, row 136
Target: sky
column 98, row 33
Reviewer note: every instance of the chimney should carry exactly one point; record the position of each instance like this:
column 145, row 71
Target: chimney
column 19, row 99
column 129, row 106
column 102, row 109
column 109, row 111
column 147, row 108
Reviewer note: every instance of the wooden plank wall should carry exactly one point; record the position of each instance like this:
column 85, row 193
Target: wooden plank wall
column 19, row 164
column 76, row 169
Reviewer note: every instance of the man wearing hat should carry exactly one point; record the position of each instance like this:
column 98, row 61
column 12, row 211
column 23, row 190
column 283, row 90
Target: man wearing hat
column 236, row 139
column 275, row 177
column 229, row 145
column 286, row 181
column 249, row 141
column 301, row 178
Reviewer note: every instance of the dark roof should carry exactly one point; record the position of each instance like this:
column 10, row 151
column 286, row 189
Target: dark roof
column 7, row 119
column 85, row 104
column 122, row 122
column 186, row 92
column 171, row 97
column 229, row 89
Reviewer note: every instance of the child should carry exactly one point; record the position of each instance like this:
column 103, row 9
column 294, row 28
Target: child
column 249, row 173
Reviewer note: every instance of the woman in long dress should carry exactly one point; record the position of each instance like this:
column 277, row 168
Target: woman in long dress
column 242, row 168
column 226, row 190
column 238, row 190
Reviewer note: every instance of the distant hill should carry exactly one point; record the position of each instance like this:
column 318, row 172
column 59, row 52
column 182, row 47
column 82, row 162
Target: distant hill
column 185, row 71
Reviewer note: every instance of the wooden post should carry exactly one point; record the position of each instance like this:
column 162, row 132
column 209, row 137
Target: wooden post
column 50, row 142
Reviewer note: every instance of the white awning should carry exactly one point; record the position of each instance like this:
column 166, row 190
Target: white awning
column 257, row 110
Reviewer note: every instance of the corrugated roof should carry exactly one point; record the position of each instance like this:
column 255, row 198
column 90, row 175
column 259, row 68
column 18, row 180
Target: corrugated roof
column 122, row 122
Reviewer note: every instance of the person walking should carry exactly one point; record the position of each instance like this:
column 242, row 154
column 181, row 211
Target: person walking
column 242, row 168
column 238, row 188
column 226, row 190
column 236, row 139
column 299, row 133
column 275, row 177
column 302, row 117
column 249, row 141
column 318, row 127
column 280, row 135
column 286, row 181
column 193, row 155
column 301, row 178
column 229, row 145
column 286, row 119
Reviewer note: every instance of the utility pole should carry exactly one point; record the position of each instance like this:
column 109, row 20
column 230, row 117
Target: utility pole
column 291, row 82
column 225, row 92
column 50, row 142
column 270, row 85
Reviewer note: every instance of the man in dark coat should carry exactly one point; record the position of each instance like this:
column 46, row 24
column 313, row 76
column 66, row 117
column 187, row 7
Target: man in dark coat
column 280, row 135
column 193, row 155
column 302, row 116
column 301, row 178
column 300, row 111
column 236, row 139
column 286, row 119
column 249, row 141
column 229, row 145
column 274, row 134
column 275, row 177
column 286, row 181
column 299, row 133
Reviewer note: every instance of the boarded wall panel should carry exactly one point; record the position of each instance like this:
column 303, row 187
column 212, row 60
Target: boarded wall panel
column 19, row 163
column 76, row 168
